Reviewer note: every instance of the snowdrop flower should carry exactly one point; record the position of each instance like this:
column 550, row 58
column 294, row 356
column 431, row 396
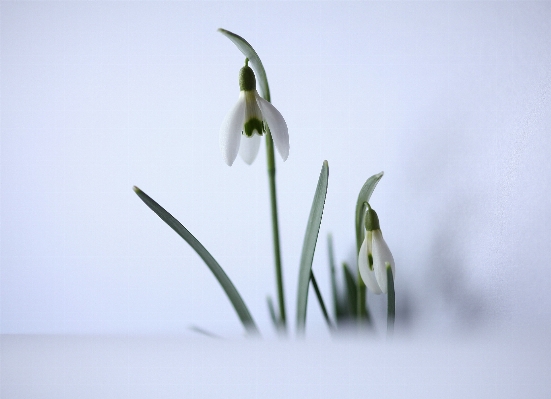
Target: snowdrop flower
column 248, row 120
column 374, row 255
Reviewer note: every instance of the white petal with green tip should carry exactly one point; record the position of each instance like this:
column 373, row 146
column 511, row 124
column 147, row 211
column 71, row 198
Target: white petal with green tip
column 368, row 275
column 277, row 125
column 381, row 255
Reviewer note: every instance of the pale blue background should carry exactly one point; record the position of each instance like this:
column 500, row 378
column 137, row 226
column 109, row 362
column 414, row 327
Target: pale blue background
column 451, row 100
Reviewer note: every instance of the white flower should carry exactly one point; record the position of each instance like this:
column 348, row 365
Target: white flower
column 248, row 120
column 374, row 256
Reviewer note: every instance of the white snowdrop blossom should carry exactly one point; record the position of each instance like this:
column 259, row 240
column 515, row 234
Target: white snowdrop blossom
column 248, row 121
column 374, row 256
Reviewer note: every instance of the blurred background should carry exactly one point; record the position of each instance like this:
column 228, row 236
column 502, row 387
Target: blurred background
column 450, row 100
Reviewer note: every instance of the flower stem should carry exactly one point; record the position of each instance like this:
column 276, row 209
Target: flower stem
column 361, row 299
column 275, row 227
column 336, row 306
column 362, row 313
column 391, row 301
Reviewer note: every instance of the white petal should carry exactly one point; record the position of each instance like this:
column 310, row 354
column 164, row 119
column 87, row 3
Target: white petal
column 230, row 132
column 381, row 255
column 277, row 126
column 368, row 276
column 249, row 147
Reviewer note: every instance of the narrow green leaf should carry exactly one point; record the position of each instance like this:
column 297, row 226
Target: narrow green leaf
column 320, row 300
column 249, row 52
column 272, row 312
column 363, row 197
column 391, row 301
column 337, row 308
column 204, row 332
column 361, row 290
column 309, row 246
column 221, row 276
column 351, row 290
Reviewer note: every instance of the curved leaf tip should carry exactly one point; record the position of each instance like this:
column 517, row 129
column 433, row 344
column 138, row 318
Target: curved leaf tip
column 363, row 198
column 250, row 53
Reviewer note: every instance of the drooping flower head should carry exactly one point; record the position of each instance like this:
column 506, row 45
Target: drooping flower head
column 248, row 120
column 374, row 255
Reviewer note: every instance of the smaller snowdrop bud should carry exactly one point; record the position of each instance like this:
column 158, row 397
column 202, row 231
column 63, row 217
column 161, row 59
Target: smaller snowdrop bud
column 374, row 255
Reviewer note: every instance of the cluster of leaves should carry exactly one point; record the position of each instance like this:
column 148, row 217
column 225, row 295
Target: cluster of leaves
column 345, row 310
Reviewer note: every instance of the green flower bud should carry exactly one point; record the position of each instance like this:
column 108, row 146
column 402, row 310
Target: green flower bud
column 371, row 220
column 247, row 80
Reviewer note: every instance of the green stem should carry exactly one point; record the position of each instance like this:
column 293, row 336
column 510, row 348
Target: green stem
column 320, row 300
column 361, row 305
column 391, row 301
column 361, row 298
column 275, row 227
column 336, row 307
column 351, row 290
column 364, row 317
column 273, row 313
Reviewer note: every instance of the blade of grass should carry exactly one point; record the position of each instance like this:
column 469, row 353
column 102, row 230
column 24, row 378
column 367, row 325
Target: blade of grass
column 309, row 246
column 361, row 304
column 320, row 300
column 351, row 290
column 215, row 268
column 272, row 312
column 204, row 332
